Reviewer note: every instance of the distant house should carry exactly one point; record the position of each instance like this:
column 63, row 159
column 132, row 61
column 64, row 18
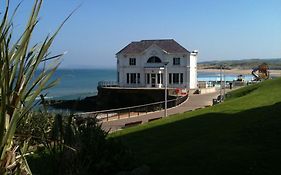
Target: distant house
column 141, row 64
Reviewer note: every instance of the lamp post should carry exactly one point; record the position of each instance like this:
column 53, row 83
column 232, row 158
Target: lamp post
column 220, row 83
column 224, row 83
column 166, row 87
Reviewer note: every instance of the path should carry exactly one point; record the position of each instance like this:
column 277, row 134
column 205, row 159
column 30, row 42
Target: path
column 194, row 102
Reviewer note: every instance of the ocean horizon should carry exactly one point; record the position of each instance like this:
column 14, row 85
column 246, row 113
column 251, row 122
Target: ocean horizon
column 78, row 83
column 81, row 83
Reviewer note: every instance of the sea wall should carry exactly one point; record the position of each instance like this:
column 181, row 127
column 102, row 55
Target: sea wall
column 110, row 97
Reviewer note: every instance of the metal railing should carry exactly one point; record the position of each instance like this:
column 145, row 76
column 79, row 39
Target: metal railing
column 108, row 84
column 127, row 112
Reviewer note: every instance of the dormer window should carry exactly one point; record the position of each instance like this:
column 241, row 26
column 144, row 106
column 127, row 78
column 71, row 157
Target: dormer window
column 132, row 61
column 154, row 59
column 176, row 61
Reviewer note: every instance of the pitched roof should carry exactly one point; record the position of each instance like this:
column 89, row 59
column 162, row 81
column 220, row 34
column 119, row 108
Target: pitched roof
column 169, row 45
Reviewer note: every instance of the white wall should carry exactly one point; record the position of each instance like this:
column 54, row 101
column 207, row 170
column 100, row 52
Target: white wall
column 193, row 70
column 188, row 67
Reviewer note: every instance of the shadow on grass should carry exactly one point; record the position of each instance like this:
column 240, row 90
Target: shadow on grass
column 248, row 142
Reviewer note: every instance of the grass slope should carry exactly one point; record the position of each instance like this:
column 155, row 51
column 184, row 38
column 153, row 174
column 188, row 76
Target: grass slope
column 240, row 136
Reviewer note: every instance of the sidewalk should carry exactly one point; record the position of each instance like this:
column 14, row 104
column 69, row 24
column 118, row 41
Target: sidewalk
column 195, row 101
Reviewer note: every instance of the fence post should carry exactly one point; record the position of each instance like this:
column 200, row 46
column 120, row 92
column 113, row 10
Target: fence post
column 118, row 116
column 107, row 116
column 129, row 113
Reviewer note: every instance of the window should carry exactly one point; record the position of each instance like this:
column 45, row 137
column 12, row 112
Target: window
column 147, row 78
column 154, row 59
column 138, row 78
column 133, row 79
column 176, row 61
column 118, row 77
column 176, row 79
column 132, row 61
column 181, row 78
column 158, row 79
column 170, row 78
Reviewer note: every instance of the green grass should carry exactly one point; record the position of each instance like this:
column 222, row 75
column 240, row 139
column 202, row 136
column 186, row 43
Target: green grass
column 240, row 136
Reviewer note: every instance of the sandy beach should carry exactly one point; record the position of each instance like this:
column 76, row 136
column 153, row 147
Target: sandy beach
column 275, row 73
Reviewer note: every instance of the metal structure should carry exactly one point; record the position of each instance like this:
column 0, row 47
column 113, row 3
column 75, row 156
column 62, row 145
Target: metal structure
column 261, row 72
column 127, row 112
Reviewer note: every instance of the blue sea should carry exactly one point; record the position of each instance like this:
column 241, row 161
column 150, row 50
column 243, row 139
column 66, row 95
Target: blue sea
column 80, row 83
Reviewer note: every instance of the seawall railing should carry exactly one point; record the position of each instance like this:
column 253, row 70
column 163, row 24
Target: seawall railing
column 108, row 84
column 127, row 112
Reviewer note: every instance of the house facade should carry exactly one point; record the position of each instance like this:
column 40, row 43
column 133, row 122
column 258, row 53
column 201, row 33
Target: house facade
column 143, row 63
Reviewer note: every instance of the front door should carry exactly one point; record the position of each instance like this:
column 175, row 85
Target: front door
column 153, row 80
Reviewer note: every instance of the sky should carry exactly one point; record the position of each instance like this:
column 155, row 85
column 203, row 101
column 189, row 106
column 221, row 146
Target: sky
column 219, row 29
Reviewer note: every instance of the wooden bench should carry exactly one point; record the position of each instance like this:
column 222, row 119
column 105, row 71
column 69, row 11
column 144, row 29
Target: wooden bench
column 132, row 124
column 150, row 120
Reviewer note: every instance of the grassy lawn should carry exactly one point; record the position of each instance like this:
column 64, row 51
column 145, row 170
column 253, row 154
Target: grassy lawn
column 240, row 136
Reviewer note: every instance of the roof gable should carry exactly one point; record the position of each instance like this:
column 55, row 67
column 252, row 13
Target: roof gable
column 168, row 45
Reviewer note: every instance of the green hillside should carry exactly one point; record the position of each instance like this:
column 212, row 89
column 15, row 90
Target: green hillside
column 240, row 136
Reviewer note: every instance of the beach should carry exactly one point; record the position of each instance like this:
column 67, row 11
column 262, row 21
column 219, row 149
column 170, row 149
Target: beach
column 275, row 73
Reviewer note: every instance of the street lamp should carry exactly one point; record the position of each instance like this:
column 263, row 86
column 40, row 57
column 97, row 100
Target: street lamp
column 222, row 84
column 166, row 87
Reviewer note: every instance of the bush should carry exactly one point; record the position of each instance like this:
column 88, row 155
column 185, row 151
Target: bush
column 80, row 146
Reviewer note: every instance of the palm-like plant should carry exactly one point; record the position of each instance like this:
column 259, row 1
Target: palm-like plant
column 19, row 86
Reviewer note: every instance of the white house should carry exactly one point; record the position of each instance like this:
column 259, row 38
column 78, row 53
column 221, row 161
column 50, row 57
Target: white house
column 142, row 64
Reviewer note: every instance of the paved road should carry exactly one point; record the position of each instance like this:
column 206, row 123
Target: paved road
column 194, row 102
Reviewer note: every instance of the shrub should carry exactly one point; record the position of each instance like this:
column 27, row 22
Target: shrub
column 80, row 146
column 19, row 84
